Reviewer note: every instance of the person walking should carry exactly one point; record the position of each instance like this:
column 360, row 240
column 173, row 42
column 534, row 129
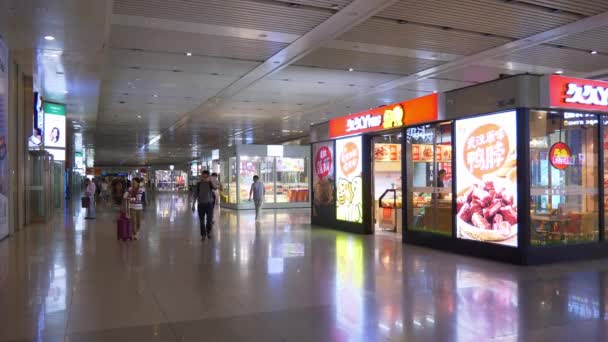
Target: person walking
column 134, row 202
column 216, row 206
column 204, row 196
column 90, row 193
column 258, row 192
column 105, row 191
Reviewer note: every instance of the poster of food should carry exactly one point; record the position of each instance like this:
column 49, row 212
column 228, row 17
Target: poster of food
column 349, row 191
column 323, row 181
column 387, row 152
column 486, row 175
column 4, row 181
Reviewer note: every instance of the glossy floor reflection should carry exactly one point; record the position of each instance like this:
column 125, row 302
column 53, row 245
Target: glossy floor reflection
column 278, row 280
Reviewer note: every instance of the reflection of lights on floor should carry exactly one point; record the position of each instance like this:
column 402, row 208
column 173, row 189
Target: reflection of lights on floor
column 417, row 323
column 384, row 327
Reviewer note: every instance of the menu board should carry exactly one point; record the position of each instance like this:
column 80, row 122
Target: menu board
column 323, row 180
column 4, row 176
column 349, row 191
column 486, row 176
column 387, row 152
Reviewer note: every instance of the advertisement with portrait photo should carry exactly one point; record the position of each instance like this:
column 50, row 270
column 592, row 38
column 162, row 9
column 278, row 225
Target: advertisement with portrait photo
column 486, row 175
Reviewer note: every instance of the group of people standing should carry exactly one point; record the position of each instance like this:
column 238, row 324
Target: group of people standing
column 129, row 195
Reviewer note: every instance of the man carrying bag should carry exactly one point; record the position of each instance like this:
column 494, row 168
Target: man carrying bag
column 204, row 195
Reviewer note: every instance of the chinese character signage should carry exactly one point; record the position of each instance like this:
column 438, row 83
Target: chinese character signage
column 578, row 93
column 560, row 156
column 4, row 148
column 349, row 191
column 323, row 182
column 486, row 175
column 418, row 110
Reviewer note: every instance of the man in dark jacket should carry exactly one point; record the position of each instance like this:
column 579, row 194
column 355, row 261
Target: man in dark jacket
column 203, row 194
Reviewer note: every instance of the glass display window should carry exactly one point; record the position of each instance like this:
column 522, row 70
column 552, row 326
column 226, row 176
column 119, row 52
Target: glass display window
column 292, row 180
column 231, row 189
column 262, row 167
column 429, row 178
column 563, row 177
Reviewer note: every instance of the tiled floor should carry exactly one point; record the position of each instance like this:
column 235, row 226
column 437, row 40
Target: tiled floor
column 277, row 280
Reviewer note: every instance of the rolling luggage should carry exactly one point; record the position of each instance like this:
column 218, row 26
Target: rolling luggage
column 124, row 230
column 85, row 201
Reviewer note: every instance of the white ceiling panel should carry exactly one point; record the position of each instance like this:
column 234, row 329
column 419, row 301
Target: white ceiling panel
column 391, row 33
column 259, row 15
column 502, row 18
column 331, row 4
column 366, row 62
column 312, row 76
column 559, row 58
column 590, row 40
column 123, row 37
column 170, row 61
column 586, row 7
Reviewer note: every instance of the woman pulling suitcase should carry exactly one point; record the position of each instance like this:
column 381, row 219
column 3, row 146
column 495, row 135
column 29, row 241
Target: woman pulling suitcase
column 134, row 200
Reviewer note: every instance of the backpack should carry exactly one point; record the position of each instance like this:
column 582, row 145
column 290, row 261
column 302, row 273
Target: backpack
column 211, row 199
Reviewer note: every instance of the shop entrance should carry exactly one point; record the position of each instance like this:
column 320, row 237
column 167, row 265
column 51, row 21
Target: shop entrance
column 386, row 183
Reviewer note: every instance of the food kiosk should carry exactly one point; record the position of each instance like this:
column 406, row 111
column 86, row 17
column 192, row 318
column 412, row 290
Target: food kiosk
column 284, row 170
column 511, row 170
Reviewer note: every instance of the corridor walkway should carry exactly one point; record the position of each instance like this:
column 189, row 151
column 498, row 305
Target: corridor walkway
column 277, row 280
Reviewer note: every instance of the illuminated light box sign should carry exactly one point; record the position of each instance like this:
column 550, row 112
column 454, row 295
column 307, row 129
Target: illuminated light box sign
column 486, row 178
column 54, row 125
column 560, row 156
column 349, row 183
column 418, row 110
column 578, row 93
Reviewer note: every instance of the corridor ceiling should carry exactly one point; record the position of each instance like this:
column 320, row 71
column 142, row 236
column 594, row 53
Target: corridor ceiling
column 159, row 81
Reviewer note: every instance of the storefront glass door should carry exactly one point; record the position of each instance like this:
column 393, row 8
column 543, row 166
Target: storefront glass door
column 429, row 178
column 386, row 183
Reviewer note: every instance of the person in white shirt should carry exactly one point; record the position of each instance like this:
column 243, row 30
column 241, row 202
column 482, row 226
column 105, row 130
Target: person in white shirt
column 258, row 192
column 134, row 200
column 90, row 193
column 218, row 189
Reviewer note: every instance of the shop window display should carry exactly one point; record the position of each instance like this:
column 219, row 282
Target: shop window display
column 230, row 187
column 264, row 168
column 292, row 180
column 563, row 178
column 429, row 178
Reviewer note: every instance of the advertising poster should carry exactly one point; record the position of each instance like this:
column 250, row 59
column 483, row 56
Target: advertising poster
column 387, row 152
column 323, row 181
column 4, row 181
column 349, row 183
column 486, row 176
column 54, row 125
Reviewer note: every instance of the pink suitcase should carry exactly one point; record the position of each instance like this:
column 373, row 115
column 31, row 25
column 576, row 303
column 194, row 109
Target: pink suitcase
column 124, row 230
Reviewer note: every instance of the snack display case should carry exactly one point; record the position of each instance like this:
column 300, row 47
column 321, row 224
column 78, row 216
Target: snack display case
column 284, row 172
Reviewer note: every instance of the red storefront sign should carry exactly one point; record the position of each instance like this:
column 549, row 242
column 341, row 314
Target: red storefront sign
column 418, row 110
column 560, row 156
column 578, row 93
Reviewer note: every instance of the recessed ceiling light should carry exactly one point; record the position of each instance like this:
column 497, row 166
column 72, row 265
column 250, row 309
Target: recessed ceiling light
column 559, row 72
column 434, row 91
column 188, row 54
column 155, row 95
column 65, row 91
column 335, row 6
column 49, row 38
column 351, row 69
column 593, row 52
column 139, row 116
